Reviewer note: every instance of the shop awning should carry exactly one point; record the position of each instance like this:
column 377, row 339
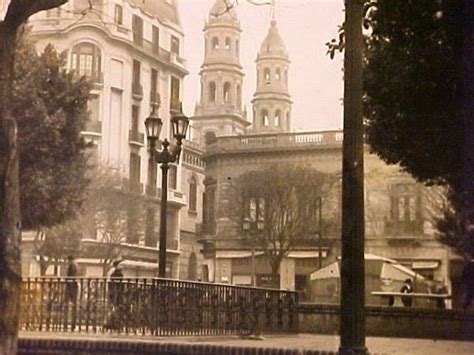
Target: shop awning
column 433, row 264
column 306, row 254
column 235, row 254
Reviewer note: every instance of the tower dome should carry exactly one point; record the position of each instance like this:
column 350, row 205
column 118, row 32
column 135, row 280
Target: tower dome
column 272, row 101
column 222, row 12
column 273, row 44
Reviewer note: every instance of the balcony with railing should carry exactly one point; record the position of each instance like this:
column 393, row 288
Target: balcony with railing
column 277, row 141
column 135, row 137
column 404, row 229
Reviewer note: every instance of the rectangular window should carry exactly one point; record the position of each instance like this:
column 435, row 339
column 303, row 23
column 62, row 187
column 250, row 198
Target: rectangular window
column 175, row 98
column 405, row 210
column 134, row 174
column 136, row 87
column 173, row 177
column 175, row 45
column 156, row 39
column 151, row 235
column 193, row 195
column 118, row 15
column 137, row 30
column 154, row 85
column 253, row 209
column 135, row 118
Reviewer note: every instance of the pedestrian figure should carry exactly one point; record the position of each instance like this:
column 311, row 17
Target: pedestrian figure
column 71, row 284
column 468, row 281
column 115, row 295
column 407, row 288
column 71, row 289
column 441, row 290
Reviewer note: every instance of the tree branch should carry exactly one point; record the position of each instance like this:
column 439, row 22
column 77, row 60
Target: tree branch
column 20, row 10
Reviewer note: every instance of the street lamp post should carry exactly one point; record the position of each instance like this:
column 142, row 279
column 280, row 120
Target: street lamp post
column 248, row 226
column 165, row 156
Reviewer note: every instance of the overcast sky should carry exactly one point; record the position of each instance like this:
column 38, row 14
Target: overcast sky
column 316, row 83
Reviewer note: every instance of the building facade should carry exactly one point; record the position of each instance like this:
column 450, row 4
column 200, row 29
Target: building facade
column 132, row 52
column 398, row 221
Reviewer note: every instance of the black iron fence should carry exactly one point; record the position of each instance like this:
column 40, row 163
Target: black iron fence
column 154, row 307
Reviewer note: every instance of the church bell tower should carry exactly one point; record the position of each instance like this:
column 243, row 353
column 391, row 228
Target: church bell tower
column 219, row 111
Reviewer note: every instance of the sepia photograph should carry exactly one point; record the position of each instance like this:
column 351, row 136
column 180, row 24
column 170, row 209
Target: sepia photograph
column 236, row 177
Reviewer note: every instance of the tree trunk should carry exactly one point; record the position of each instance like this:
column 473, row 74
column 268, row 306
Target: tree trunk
column 10, row 263
column 275, row 266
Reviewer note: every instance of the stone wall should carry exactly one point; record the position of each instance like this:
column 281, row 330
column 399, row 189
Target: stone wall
column 392, row 322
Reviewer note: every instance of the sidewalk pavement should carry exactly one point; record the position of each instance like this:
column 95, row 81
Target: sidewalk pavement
column 297, row 341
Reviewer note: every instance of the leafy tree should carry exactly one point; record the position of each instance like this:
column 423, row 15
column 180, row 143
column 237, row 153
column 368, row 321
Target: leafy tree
column 413, row 97
column 287, row 197
column 53, row 162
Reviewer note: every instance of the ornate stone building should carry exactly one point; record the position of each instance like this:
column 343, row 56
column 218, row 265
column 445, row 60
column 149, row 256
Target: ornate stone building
column 397, row 220
column 132, row 51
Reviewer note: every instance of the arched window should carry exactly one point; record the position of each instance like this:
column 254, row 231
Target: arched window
column 212, row 91
column 227, row 43
column 288, row 120
column 237, row 47
column 277, row 118
column 278, row 74
column 193, row 194
column 264, row 117
column 215, row 43
column 266, row 75
column 226, row 92
column 86, row 60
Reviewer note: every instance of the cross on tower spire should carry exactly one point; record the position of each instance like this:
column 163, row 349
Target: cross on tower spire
column 273, row 10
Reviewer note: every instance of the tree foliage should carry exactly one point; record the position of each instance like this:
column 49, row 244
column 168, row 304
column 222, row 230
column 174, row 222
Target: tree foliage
column 50, row 106
column 413, row 97
column 412, row 88
column 288, row 199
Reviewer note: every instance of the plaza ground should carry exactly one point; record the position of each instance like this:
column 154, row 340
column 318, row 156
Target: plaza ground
column 297, row 341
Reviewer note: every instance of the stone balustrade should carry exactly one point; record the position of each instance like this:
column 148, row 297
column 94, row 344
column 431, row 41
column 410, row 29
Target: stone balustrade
column 277, row 141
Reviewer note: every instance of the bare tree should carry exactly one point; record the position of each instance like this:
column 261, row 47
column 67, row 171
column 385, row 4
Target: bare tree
column 53, row 245
column 114, row 214
column 286, row 198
